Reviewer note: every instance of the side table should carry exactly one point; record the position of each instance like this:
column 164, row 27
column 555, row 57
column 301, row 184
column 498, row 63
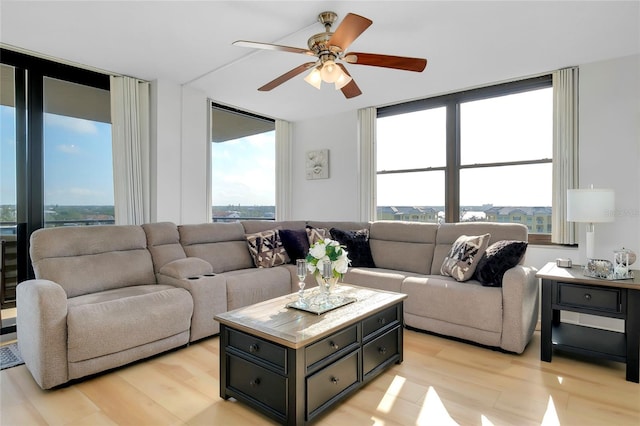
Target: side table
column 568, row 289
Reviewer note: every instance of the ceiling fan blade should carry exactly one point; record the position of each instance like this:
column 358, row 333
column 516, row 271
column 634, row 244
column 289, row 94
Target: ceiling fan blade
column 351, row 90
column 286, row 76
column 386, row 61
column 349, row 29
column 269, row 46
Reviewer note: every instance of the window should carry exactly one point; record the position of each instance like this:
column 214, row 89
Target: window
column 243, row 172
column 479, row 155
column 78, row 162
column 56, row 149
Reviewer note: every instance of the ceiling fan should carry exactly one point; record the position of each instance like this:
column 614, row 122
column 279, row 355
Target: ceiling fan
column 328, row 47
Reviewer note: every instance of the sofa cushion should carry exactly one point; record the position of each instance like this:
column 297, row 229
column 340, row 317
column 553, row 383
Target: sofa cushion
column 316, row 234
column 466, row 304
column 266, row 249
column 357, row 244
column 403, row 246
column 221, row 244
column 498, row 258
column 448, row 233
column 248, row 286
column 464, row 256
column 295, row 242
column 86, row 259
column 112, row 321
column 185, row 268
column 163, row 241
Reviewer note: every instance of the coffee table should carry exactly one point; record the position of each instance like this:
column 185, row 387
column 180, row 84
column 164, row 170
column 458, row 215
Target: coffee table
column 293, row 365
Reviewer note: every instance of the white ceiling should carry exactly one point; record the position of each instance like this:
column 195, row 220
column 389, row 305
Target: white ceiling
column 467, row 43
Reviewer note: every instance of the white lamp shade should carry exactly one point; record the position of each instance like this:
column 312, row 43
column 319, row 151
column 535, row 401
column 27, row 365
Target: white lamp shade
column 314, row 78
column 330, row 71
column 590, row 205
column 342, row 81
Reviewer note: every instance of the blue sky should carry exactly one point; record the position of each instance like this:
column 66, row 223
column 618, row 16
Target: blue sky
column 78, row 161
column 243, row 171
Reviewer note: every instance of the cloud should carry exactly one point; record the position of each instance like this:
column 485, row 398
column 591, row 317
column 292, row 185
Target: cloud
column 76, row 125
column 68, row 148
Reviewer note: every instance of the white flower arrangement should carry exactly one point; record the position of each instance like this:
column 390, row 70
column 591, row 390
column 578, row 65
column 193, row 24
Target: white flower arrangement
column 328, row 250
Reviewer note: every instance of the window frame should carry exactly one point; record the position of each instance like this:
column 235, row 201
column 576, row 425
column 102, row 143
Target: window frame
column 452, row 103
column 30, row 72
column 249, row 115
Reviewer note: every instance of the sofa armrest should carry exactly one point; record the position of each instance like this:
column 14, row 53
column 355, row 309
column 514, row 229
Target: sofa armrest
column 520, row 305
column 42, row 330
column 186, row 267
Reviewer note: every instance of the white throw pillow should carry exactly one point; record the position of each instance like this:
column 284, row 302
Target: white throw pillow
column 464, row 256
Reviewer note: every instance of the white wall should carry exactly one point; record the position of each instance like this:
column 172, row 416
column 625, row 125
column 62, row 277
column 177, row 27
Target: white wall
column 179, row 154
column 165, row 149
column 194, row 160
column 610, row 147
column 335, row 198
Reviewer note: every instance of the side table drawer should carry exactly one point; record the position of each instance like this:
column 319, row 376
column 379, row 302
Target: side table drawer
column 258, row 348
column 330, row 381
column 600, row 299
column 376, row 352
column 330, row 345
column 260, row 384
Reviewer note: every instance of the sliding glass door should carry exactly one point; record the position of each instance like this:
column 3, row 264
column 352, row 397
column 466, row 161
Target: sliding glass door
column 55, row 154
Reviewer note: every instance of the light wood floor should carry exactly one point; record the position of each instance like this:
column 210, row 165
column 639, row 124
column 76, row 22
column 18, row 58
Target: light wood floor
column 441, row 382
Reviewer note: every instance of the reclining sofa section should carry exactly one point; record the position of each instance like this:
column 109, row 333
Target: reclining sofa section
column 105, row 296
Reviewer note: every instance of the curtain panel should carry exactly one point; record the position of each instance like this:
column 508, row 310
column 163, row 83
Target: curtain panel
column 565, row 152
column 130, row 140
column 367, row 163
column 283, row 170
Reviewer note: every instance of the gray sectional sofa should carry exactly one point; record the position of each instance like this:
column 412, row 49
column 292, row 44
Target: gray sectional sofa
column 105, row 296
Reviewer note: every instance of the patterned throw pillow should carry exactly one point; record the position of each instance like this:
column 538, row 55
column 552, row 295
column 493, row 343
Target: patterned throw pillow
column 295, row 242
column 266, row 249
column 464, row 256
column 357, row 244
column 316, row 234
column 499, row 257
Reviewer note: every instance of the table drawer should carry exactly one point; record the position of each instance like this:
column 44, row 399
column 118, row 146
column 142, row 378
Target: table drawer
column 600, row 299
column 330, row 345
column 379, row 350
column 258, row 383
column 380, row 320
column 258, row 348
column 330, row 381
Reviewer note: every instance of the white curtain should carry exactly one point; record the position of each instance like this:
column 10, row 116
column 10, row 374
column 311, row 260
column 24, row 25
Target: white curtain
column 283, row 170
column 367, row 163
column 130, row 139
column 565, row 151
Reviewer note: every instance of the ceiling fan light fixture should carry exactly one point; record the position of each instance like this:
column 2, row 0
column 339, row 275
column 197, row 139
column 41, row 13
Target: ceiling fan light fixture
column 314, row 78
column 330, row 71
column 343, row 80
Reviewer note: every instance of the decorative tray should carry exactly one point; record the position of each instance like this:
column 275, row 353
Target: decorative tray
column 317, row 304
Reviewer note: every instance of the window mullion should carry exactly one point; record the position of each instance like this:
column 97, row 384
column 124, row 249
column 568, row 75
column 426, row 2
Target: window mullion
column 452, row 175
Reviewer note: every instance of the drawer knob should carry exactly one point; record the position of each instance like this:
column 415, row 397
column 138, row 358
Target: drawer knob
column 255, row 382
column 333, row 345
column 253, row 348
column 382, row 350
column 382, row 321
column 334, row 380
column 587, row 296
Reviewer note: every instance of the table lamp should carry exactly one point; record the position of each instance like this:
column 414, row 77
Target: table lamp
column 590, row 206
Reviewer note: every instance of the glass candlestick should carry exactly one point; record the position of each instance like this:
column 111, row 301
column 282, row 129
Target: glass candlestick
column 301, row 270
